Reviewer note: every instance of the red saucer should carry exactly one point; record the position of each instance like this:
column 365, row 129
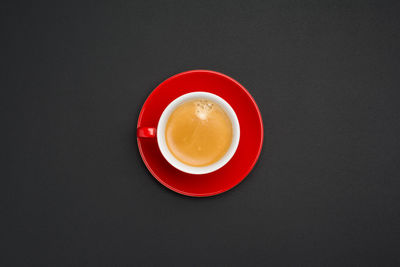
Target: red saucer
column 251, row 133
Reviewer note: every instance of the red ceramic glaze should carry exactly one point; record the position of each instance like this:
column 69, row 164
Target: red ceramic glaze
column 251, row 133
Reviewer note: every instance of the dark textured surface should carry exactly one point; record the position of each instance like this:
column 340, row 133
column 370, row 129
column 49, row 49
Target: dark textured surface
column 325, row 191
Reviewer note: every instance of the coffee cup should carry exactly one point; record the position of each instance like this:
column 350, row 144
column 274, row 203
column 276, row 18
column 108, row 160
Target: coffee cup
column 204, row 104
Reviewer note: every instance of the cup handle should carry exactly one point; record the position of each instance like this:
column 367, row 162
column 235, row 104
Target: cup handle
column 146, row 132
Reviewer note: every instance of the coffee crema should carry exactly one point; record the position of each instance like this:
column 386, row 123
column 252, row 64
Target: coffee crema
column 198, row 132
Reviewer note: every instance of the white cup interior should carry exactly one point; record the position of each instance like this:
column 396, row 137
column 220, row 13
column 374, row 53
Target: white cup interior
column 164, row 119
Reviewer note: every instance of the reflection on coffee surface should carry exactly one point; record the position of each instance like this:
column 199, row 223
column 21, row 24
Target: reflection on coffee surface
column 198, row 132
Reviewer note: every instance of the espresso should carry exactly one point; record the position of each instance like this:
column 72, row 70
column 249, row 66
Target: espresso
column 198, row 132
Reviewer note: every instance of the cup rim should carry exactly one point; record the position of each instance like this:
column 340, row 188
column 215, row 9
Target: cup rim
column 161, row 133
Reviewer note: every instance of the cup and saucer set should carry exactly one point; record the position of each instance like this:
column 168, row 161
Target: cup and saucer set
column 200, row 133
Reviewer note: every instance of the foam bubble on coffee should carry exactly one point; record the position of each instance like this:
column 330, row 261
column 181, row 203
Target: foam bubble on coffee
column 203, row 108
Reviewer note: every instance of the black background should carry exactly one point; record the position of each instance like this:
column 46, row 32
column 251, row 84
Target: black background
column 325, row 190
